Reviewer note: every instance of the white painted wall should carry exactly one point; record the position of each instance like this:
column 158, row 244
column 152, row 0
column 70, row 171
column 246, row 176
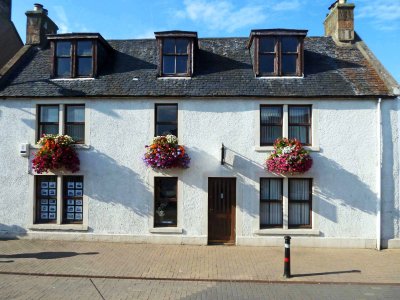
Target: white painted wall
column 119, row 188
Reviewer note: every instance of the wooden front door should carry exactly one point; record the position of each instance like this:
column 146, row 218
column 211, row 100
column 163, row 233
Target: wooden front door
column 221, row 210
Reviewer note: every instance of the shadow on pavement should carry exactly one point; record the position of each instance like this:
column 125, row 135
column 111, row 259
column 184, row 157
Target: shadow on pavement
column 46, row 255
column 6, row 261
column 325, row 273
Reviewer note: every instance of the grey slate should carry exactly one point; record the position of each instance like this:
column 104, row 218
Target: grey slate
column 223, row 67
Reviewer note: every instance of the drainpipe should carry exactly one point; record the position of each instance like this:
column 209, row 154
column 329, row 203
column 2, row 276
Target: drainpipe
column 379, row 177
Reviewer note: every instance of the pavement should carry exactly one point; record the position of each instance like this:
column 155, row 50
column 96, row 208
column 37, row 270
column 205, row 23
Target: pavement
column 200, row 264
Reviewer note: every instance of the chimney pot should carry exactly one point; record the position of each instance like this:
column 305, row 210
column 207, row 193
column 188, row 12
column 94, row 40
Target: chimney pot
column 37, row 7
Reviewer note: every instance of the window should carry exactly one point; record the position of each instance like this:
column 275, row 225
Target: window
column 73, row 58
column 166, row 117
column 300, row 123
column 271, row 124
column 285, row 203
column 73, row 200
column 75, row 122
column 46, row 199
column 59, row 208
column 279, row 56
column 73, row 116
column 175, row 59
column 300, row 203
column 176, row 50
column 165, row 201
column 297, row 126
column 271, row 209
column 277, row 52
column 48, row 119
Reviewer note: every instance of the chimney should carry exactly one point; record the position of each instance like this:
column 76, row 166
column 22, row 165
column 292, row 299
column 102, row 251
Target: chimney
column 339, row 23
column 38, row 25
column 5, row 9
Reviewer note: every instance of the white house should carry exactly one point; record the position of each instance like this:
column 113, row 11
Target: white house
column 114, row 96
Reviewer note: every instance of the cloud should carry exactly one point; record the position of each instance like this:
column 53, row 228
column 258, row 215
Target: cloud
column 384, row 14
column 224, row 15
column 64, row 24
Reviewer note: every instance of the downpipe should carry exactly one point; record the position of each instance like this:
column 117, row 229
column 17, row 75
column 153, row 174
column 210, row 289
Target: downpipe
column 379, row 178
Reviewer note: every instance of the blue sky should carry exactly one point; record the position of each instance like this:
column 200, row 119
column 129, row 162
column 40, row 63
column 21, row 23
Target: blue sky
column 377, row 21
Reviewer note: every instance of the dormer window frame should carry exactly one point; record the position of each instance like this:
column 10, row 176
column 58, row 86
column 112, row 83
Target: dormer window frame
column 162, row 38
column 278, row 52
column 74, row 57
column 98, row 48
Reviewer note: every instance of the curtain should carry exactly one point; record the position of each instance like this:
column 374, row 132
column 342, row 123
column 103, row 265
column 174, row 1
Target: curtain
column 299, row 191
column 271, row 212
column 271, row 120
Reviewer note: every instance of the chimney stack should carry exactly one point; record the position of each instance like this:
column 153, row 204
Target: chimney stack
column 38, row 25
column 339, row 23
column 5, row 9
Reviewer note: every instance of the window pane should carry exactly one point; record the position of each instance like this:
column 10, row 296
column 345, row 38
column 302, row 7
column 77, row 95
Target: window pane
column 267, row 44
column 266, row 63
column 84, row 66
column 169, row 46
column 300, row 133
column 168, row 64
column 270, row 214
column 48, row 129
column 166, row 129
column 84, row 48
column 63, row 67
column 181, row 64
column 299, row 114
column 269, row 134
column 182, row 46
column 46, row 199
column 289, row 64
column 271, row 189
column 299, row 189
column 167, row 113
column 75, row 113
column 289, row 44
column 299, row 213
column 165, row 206
column 77, row 132
column 63, row 49
column 49, row 114
column 73, row 199
column 271, row 114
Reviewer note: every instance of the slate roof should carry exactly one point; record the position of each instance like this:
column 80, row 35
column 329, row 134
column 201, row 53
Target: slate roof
column 223, row 68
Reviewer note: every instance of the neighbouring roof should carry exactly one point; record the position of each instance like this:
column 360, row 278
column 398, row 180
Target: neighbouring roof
column 8, row 36
column 223, row 67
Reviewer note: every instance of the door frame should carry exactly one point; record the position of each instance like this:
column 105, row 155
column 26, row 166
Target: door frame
column 232, row 241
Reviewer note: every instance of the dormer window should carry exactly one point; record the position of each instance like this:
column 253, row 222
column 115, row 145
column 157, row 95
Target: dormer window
column 176, row 50
column 277, row 52
column 77, row 55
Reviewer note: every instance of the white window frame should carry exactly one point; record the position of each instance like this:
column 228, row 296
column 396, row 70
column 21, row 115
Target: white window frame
column 59, row 225
column 285, row 123
column 285, row 207
column 61, row 124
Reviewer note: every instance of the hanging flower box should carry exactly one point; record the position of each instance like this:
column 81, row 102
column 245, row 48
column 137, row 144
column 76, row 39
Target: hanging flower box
column 288, row 157
column 57, row 151
column 165, row 153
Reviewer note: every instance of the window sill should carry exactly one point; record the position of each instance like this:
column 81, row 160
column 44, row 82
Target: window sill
column 73, row 79
column 62, row 227
column 77, row 146
column 174, row 77
column 166, row 230
column 275, row 231
column 271, row 148
column 280, row 77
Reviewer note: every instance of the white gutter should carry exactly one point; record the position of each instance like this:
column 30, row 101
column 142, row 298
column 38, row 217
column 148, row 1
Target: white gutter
column 379, row 176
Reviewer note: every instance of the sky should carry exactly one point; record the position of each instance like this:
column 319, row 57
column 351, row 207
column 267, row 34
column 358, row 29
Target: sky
column 376, row 21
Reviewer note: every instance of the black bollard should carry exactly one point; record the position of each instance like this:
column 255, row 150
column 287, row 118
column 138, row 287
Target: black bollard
column 286, row 270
